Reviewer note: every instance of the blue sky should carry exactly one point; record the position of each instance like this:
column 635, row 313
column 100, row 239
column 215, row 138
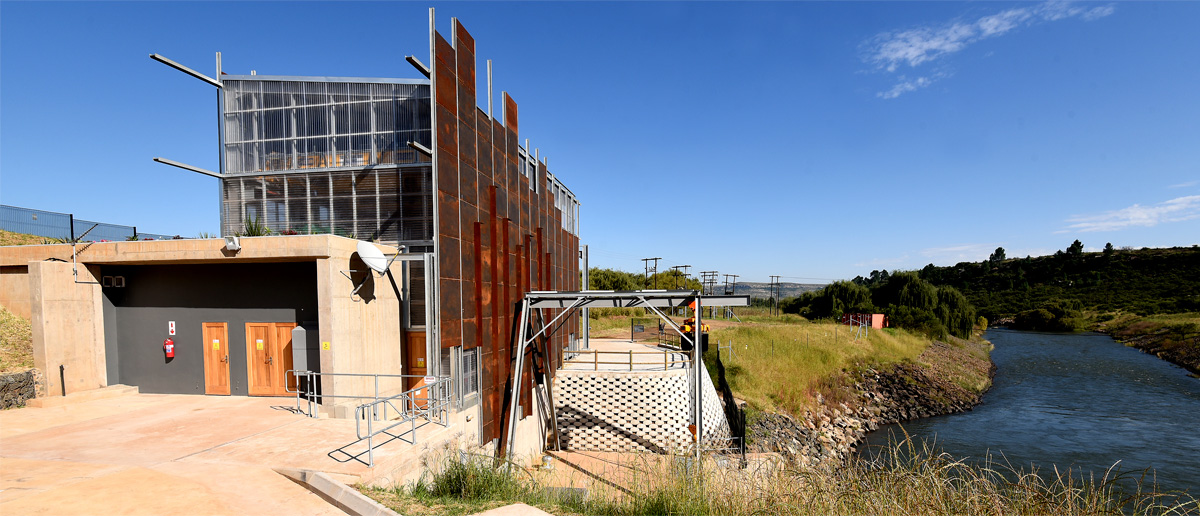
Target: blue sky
column 808, row 140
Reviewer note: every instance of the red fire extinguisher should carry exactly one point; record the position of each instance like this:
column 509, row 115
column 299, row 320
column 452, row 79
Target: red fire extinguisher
column 169, row 348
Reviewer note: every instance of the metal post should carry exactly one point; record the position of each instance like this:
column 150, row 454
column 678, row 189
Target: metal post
column 631, row 360
column 697, row 363
column 71, row 216
column 220, row 149
column 522, row 322
column 587, row 323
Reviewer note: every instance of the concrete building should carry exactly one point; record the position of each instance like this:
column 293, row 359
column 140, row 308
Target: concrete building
column 414, row 165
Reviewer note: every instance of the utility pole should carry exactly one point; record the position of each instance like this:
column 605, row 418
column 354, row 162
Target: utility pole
column 728, row 290
column 709, row 282
column 775, row 294
column 648, row 269
column 678, row 274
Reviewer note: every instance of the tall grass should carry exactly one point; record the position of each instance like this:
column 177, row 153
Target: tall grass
column 16, row 342
column 782, row 366
column 905, row 478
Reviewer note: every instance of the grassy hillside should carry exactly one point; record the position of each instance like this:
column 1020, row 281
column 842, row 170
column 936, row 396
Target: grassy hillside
column 1141, row 282
column 10, row 238
column 16, row 342
column 782, row 363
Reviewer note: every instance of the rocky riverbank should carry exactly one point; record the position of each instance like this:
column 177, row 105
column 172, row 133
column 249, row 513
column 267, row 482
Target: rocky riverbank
column 946, row 378
column 1177, row 342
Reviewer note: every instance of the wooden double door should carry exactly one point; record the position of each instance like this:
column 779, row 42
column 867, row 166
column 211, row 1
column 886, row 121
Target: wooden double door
column 268, row 358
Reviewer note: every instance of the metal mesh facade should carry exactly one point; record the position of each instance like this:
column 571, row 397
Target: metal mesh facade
column 311, row 156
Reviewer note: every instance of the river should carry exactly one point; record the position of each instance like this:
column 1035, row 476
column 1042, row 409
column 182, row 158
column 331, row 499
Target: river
column 1077, row 400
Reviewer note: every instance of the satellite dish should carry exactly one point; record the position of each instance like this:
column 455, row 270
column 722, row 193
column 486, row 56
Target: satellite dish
column 373, row 257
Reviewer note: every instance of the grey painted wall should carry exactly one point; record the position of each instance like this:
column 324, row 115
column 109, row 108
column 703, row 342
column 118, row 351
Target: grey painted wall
column 191, row 295
column 112, row 359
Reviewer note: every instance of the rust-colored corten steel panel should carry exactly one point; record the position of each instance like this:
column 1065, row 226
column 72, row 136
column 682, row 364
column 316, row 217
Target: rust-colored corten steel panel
column 499, row 236
column 464, row 44
column 448, row 227
column 511, row 173
column 500, row 168
column 451, row 326
column 510, row 114
column 447, row 135
column 483, row 135
column 469, row 215
column 445, row 87
column 468, row 177
column 478, row 283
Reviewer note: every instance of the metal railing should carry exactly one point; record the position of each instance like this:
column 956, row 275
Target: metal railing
column 65, row 227
column 669, row 358
column 433, row 407
column 429, row 402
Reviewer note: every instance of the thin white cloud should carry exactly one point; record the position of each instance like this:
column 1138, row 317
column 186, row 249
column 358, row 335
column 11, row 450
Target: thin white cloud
column 891, row 51
column 906, row 85
column 1185, row 185
column 1175, row 210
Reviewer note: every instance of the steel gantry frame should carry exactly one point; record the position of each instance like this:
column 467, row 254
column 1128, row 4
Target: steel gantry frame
column 569, row 302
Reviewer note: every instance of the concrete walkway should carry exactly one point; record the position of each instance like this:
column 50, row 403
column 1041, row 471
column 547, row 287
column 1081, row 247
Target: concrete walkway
column 177, row 454
column 644, row 357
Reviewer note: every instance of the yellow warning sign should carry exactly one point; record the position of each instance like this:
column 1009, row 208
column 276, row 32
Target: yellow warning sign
column 216, row 344
column 325, row 345
column 258, row 344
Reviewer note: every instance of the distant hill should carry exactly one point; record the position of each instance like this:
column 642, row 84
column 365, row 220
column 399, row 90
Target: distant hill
column 763, row 290
column 1143, row 281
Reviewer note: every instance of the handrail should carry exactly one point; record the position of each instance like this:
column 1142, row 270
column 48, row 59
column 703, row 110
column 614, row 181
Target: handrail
column 313, row 397
column 432, row 405
column 434, row 410
column 669, row 358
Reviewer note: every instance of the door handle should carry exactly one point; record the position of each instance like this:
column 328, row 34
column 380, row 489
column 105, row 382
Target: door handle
column 225, row 358
column 270, row 360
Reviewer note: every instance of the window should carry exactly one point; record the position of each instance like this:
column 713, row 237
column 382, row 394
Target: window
column 416, row 295
column 470, row 373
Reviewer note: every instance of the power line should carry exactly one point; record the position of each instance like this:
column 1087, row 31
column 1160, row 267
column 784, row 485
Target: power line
column 774, row 295
column 648, row 274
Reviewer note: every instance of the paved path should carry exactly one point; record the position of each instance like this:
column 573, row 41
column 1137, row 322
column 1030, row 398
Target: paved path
column 175, row 454
column 645, row 357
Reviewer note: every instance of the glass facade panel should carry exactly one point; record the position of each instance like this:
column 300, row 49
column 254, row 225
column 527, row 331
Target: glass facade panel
column 390, row 206
column 273, row 125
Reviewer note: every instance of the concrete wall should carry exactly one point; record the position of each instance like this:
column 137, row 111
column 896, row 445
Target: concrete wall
column 67, row 327
column 363, row 331
column 14, row 289
column 190, row 295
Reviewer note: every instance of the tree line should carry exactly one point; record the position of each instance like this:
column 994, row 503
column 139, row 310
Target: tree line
column 909, row 302
column 1057, row 292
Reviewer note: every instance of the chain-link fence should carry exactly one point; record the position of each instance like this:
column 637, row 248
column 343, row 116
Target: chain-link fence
column 65, row 227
